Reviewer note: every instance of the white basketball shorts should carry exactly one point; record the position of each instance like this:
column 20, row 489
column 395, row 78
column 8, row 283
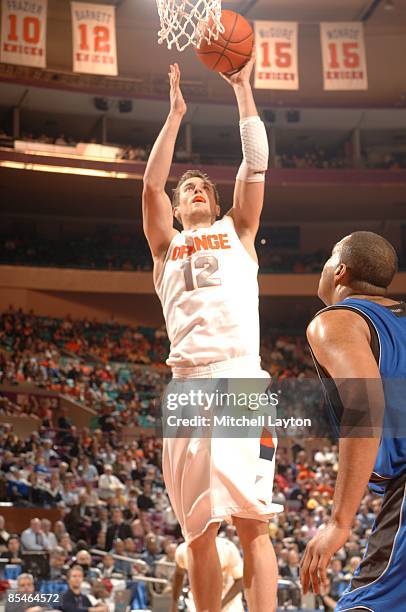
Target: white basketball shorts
column 212, row 479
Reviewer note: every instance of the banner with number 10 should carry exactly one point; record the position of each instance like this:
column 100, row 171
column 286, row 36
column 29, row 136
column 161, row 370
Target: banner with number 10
column 94, row 38
column 343, row 51
column 276, row 64
column 23, row 33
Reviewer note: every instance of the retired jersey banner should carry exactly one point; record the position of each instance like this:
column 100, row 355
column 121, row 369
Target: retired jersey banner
column 24, row 32
column 344, row 61
column 276, row 64
column 94, row 38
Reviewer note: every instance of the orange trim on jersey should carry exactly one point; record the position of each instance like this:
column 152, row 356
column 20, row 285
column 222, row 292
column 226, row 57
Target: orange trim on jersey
column 266, row 438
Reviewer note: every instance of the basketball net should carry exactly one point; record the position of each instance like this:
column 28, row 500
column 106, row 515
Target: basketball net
column 188, row 22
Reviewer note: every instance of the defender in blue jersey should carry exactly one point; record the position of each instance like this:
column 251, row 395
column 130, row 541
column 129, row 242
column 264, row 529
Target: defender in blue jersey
column 362, row 335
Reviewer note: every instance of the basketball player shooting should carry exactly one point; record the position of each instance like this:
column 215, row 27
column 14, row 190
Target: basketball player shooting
column 206, row 279
column 360, row 340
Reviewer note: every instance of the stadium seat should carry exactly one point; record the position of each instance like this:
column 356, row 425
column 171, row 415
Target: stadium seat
column 53, row 586
column 161, row 602
column 139, row 600
column 12, row 571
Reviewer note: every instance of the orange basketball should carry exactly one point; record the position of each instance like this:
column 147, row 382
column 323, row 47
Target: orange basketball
column 232, row 49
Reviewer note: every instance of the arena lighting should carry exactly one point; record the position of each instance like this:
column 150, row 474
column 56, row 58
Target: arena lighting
column 269, row 116
column 67, row 170
column 125, row 106
column 101, row 104
column 292, row 116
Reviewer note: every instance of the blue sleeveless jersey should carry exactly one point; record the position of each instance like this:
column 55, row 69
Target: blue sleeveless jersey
column 389, row 324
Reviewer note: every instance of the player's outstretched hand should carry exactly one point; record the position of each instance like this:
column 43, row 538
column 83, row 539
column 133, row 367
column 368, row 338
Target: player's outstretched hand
column 317, row 556
column 240, row 76
column 178, row 104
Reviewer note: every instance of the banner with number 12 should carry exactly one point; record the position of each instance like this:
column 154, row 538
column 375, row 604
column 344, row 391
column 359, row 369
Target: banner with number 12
column 276, row 64
column 23, row 33
column 344, row 61
column 94, row 38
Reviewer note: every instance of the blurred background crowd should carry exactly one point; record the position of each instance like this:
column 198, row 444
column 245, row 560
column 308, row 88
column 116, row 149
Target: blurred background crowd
column 103, row 482
column 103, row 251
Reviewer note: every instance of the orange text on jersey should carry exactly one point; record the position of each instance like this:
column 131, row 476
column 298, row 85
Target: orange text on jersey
column 206, row 242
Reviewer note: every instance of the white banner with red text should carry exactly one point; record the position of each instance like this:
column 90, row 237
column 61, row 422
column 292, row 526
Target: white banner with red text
column 344, row 59
column 276, row 64
column 94, row 38
column 24, row 32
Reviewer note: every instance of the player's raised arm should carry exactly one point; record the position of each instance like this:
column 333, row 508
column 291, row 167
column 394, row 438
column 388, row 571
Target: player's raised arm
column 250, row 183
column 156, row 205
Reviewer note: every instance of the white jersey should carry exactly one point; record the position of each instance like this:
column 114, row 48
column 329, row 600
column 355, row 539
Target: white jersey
column 231, row 569
column 209, row 293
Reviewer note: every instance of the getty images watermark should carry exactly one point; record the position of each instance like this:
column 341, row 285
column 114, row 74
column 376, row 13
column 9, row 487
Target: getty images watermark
column 297, row 407
column 218, row 411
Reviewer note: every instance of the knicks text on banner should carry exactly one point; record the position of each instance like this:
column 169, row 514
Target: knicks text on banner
column 94, row 38
column 343, row 51
column 23, row 33
column 276, row 55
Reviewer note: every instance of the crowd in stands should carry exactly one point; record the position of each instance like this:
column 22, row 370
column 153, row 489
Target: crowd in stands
column 320, row 158
column 127, row 152
column 316, row 158
column 272, row 261
column 98, row 251
column 313, row 157
column 102, row 366
column 128, row 252
column 5, row 139
column 115, row 520
column 386, row 161
column 114, row 251
column 134, row 153
column 61, row 140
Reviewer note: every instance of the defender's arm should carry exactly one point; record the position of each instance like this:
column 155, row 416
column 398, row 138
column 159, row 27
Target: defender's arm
column 348, row 359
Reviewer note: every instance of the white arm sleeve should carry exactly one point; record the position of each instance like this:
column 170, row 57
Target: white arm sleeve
column 255, row 150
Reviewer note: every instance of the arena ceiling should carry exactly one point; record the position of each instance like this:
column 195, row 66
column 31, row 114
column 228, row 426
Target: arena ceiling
column 75, row 114
column 140, row 55
column 320, row 10
column 305, row 11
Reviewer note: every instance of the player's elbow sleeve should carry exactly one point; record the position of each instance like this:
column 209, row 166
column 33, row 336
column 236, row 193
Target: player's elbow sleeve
column 255, row 149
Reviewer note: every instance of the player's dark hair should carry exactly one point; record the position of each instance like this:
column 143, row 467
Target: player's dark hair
column 371, row 261
column 192, row 174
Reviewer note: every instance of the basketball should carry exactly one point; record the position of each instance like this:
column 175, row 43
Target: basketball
column 232, row 49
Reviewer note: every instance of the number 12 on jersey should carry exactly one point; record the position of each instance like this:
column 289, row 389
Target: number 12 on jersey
column 208, row 266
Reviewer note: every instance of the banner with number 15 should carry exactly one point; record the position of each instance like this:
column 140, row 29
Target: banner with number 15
column 94, row 38
column 343, row 50
column 276, row 64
